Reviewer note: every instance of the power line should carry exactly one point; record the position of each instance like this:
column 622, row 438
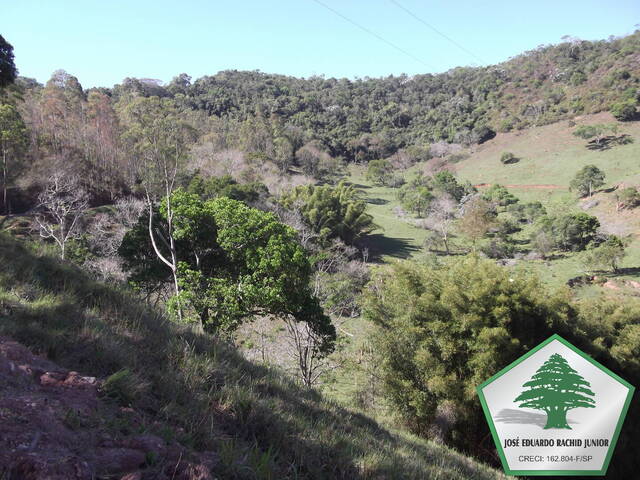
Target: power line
column 409, row 12
column 370, row 32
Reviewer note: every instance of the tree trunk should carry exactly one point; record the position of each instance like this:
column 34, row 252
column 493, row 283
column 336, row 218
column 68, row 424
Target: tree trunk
column 446, row 243
column 557, row 418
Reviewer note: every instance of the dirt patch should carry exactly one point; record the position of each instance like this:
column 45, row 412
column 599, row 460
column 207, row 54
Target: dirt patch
column 525, row 187
column 56, row 426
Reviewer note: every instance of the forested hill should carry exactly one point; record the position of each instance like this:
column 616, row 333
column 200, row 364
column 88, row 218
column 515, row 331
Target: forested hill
column 374, row 117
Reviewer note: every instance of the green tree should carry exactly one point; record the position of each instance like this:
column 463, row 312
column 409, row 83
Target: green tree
column 596, row 131
column 415, row 198
column 227, row 186
column 380, row 172
column 8, row 70
column 331, row 212
column 478, row 216
column 500, row 196
column 13, row 143
column 234, row 262
column 556, row 388
column 444, row 182
column 607, row 255
column 587, row 179
column 572, row 231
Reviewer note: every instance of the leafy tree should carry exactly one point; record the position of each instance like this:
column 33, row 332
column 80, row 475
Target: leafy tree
column 226, row 186
column 441, row 330
column 478, row 216
column 607, row 255
column 234, row 262
column 13, row 143
column 526, row 212
column 556, row 388
column 380, row 172
column 500, row 196
column 596, row 131
column 445, row 182
column 332, row 212
column 8, row 70
column 571, row 231
column 587, row 179
column 624, row 110
column 415, row 198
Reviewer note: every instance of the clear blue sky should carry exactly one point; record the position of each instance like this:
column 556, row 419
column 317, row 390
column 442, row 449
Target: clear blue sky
column 102, row 42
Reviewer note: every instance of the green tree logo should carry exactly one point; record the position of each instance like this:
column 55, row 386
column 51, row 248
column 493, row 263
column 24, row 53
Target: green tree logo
column 556, row 388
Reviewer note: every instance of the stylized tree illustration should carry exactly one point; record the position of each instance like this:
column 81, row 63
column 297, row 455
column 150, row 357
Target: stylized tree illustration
column 556, row 388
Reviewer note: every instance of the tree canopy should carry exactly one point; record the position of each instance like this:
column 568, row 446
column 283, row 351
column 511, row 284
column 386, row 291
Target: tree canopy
column 8, row 71
column 331, row 212
column 587, row 180
column 234, row 262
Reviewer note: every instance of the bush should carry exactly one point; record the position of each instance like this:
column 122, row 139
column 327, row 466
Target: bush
column 624, row 111
column 500, row 196
column 628, row 198
column 508, row 157
column 380, row 172
column 444, row 330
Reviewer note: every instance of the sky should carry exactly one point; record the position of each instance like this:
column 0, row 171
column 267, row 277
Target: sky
column 103, row 42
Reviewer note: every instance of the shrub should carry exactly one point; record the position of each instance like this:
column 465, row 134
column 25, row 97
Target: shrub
column 380, row 172
column 443, row 330
column 508, row 157
column 624, row 111
column 628, row 198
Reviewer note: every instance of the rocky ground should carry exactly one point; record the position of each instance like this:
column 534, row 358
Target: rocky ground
column 55, row 425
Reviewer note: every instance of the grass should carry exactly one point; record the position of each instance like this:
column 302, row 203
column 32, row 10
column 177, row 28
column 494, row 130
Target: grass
column 260, row 423
column 396, row 238
column 548, row 158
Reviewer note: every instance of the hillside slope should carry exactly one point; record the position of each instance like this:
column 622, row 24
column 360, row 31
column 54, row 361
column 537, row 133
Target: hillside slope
column 187, row 389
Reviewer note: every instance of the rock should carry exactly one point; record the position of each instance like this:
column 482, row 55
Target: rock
column 52, row 379
column 118, row 460
column 75, row 380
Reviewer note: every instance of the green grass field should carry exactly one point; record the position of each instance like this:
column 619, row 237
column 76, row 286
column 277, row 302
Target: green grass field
column 549, row 157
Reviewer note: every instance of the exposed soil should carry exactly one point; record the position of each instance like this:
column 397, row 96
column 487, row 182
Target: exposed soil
column 525, row 187
column 55, row 425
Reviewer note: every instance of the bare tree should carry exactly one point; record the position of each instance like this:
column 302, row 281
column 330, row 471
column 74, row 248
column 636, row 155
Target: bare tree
column 337, row 282
column 105, row 234
column 62, row 204
column 440, row 218
column 159, row 138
